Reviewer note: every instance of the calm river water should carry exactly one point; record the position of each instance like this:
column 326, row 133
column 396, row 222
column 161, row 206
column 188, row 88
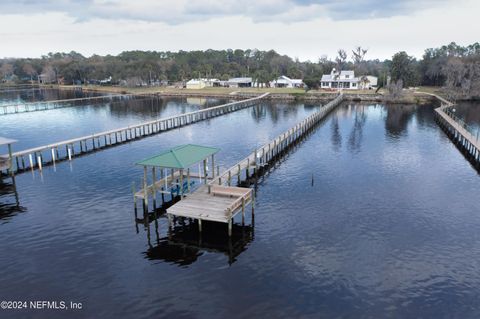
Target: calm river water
column 374, row 215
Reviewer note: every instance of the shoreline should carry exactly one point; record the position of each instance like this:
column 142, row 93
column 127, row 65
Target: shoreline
column 278, row 94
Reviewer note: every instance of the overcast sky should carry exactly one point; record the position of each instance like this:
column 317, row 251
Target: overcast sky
column 305, row 29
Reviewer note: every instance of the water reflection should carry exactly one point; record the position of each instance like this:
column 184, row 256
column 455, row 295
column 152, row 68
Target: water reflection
column 356, row 134
column 278, row 111
column 42, row 94
column 397, row 119
column 9, row 199
column 336, row 134
column 185, row 244
column 469, row 112
column 155, row 106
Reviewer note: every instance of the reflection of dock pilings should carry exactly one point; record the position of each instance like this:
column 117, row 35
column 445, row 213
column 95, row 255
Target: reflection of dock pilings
column 9, row 199
column 185, row 244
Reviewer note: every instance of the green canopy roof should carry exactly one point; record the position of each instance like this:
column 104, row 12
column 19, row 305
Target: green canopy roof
column 180, row 157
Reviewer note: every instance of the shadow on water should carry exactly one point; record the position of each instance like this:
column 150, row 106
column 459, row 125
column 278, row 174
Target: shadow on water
column 398, row 117
column 184, row 244
column 9, row 199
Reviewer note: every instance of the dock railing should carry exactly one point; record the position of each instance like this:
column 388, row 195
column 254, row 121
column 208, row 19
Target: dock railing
column 459, row 132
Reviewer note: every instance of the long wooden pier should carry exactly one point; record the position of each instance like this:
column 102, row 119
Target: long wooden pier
column 458, row 130
column 36, row 158
column 54, row 104
column 219, row 201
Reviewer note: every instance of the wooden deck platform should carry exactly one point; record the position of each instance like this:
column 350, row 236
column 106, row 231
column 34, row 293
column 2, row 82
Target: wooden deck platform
column 220, row 204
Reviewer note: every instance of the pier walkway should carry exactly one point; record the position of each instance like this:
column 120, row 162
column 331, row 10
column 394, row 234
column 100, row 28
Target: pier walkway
column 65, row 150
column 457, row 130
column 54, row 104
column 219, row 201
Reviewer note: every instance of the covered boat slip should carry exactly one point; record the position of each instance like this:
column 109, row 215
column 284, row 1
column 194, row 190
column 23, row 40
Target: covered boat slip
column 175, row 170
column 207, row 202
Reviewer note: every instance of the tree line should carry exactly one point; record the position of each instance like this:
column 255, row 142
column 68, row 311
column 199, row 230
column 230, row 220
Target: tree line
column 453, row 66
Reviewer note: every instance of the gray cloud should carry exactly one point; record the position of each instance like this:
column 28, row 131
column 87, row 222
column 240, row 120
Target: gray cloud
column 183, row 11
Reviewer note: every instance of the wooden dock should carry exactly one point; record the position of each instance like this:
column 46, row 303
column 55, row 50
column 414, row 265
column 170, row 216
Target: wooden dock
column 219, row 201
column 458, row 131
column 55, row 104
column 36, row 158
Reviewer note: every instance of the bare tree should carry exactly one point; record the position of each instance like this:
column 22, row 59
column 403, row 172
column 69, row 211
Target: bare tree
column 6, row 70
column 394, row 90
column 358, row 57
column 358, row 54
column 48, row 74
column 29, row 70
column 341, row 59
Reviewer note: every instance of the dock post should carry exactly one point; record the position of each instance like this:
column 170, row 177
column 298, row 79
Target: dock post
column 238, row 174
column 188, row 180
column 154, row 177
column 162, row 175
column 230, row 227
column 30, row 160
column 200, row 225
column 145, row 190
column 181, row 183
column 213, row 166
column 243, row 211
column 253, row 204
column 205, row 171
column 10, row 160
column 39, row 162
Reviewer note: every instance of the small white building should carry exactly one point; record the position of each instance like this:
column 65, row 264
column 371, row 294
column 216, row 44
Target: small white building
column 285, row 82
column 197, row 84
column 239, row 82
column 347, row 80
column 372, row 81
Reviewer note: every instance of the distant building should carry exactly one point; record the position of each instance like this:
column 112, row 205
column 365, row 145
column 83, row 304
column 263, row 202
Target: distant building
column 46, row 78
column 372, row 81
column 285, row 82
column 347, row 80
column 197, row 84
column 239, row 82
column 106, row 81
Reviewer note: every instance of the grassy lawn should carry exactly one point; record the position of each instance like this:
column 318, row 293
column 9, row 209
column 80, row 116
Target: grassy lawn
column 211, row 90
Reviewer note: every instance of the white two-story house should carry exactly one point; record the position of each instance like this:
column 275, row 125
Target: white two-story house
column 347, row 80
